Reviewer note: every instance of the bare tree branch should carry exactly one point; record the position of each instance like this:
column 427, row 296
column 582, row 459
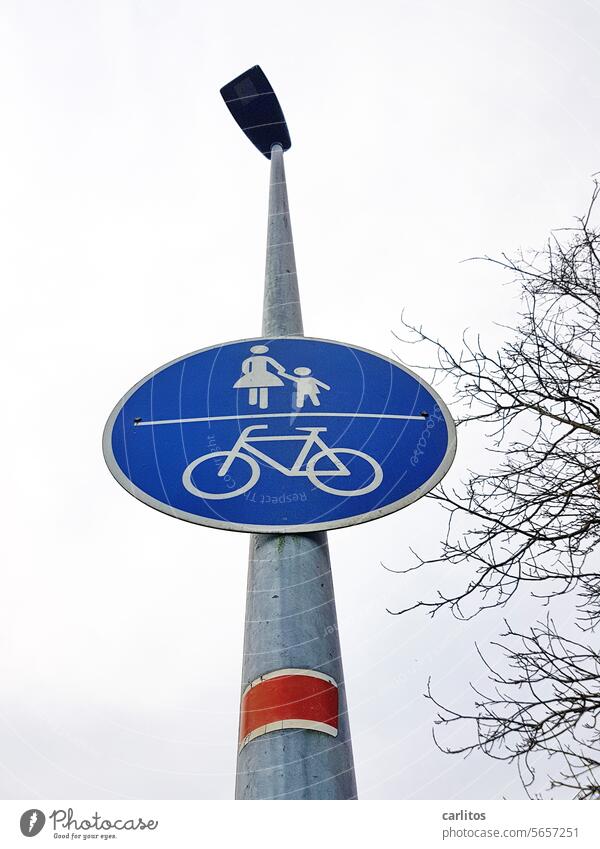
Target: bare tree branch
column 535, row 518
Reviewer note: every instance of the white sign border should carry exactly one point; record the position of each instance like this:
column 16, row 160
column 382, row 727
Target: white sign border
column 142, row 496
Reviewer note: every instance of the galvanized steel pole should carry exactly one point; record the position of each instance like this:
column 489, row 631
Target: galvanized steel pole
column 291, row 622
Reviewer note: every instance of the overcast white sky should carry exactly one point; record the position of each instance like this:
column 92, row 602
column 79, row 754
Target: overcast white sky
column 133, row 222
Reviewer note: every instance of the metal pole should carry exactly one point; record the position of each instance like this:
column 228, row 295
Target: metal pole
column 291, row 621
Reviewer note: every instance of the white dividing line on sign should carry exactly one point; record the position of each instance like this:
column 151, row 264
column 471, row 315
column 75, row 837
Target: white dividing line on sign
column 291, row 415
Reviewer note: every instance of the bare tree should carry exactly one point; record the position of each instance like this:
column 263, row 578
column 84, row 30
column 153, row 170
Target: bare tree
column 536, row 518
column 533, row 522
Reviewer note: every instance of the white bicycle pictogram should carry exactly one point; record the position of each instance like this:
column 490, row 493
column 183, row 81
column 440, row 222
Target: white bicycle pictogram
column 244, row 449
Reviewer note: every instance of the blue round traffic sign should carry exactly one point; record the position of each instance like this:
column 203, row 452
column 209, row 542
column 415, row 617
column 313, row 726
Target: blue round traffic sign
column 280, row 435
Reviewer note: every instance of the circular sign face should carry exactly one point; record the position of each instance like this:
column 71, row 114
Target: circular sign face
column 280, row 435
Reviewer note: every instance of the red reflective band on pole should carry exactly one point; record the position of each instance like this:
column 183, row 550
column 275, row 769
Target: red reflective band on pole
column 289, row 698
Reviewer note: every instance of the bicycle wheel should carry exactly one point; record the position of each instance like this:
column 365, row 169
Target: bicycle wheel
column 314, row 475
column 226, row 480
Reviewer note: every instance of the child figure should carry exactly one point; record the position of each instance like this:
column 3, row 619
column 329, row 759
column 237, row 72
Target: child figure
column 306, row 387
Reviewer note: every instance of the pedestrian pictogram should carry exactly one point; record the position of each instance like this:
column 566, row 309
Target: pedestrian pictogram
column 257, row 378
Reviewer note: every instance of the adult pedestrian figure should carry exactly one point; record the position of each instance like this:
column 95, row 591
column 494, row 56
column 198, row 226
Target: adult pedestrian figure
column 257, row 378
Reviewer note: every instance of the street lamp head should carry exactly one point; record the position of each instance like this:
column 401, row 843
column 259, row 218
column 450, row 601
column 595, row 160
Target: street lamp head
column 252, row 102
